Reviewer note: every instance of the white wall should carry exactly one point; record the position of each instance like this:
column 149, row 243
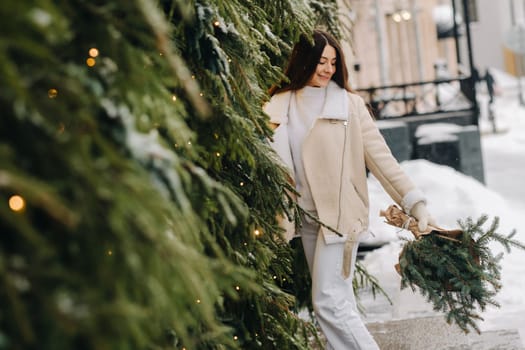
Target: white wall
column 488, row 34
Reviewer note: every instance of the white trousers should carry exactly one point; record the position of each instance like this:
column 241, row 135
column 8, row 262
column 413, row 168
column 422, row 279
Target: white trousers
column 333, row 296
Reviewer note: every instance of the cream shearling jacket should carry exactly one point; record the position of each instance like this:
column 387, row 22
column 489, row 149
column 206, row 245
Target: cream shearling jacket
column 342, row 143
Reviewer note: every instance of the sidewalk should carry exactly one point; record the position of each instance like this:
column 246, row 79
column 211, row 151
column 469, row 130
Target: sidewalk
column 409, row 323
column 435, row 334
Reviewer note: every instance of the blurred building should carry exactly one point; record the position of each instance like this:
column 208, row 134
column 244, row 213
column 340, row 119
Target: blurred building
column 415, row 64
column 405, row 41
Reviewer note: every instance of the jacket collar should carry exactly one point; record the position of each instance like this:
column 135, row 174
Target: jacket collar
column 335, row 107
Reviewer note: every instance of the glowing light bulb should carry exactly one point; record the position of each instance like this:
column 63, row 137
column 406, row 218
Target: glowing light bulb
column 406, row 15
column 91, row 62
column 396, row 17
column 52, row 93
column 17, row 203
column 93, row 52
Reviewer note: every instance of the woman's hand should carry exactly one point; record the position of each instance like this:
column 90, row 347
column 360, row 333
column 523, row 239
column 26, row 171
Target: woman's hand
column 420, row 213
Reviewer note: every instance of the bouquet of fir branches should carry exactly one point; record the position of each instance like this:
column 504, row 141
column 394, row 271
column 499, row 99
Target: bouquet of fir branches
column 454, row 269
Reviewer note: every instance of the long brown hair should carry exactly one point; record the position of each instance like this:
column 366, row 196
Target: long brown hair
column 304, row 59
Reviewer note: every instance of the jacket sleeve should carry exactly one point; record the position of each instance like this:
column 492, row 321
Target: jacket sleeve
column 382, row 164
column 277, row 110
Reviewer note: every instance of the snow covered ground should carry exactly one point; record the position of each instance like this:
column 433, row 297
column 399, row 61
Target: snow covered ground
column 452, row 196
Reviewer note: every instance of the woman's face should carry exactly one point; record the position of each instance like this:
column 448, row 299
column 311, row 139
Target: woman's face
column 325, row 68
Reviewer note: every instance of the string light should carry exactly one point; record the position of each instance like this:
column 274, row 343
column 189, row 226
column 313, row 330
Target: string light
column 198, row 301
column 235, row 337
column 216, row 136
column 17, row 203
column 110, row 252
column 52, row 93
column 193, row 76
column 241, row 184
column 201, row 94
column 91, row 62
column 93, row 52
column 189, row 143
column 237, row 288
column 216, row 23
column 174, row 98
column 257, row 232
column 218, row 154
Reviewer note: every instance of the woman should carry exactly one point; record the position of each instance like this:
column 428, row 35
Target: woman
column 326, row 137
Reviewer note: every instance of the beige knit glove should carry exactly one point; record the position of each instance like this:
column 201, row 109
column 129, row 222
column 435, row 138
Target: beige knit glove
column 420, row 213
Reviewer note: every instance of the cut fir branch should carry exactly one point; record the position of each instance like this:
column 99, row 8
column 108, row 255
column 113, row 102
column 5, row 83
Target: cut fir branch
column 363, row 279
column 456, row 270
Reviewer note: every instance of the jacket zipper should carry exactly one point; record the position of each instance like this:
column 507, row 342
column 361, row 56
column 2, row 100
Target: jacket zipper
column 345, row 123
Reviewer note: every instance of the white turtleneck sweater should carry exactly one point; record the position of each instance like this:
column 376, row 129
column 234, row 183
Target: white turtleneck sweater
column 306, row 105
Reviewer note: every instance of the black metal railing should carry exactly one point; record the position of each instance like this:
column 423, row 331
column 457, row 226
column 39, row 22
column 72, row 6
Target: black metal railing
column 421, row 98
